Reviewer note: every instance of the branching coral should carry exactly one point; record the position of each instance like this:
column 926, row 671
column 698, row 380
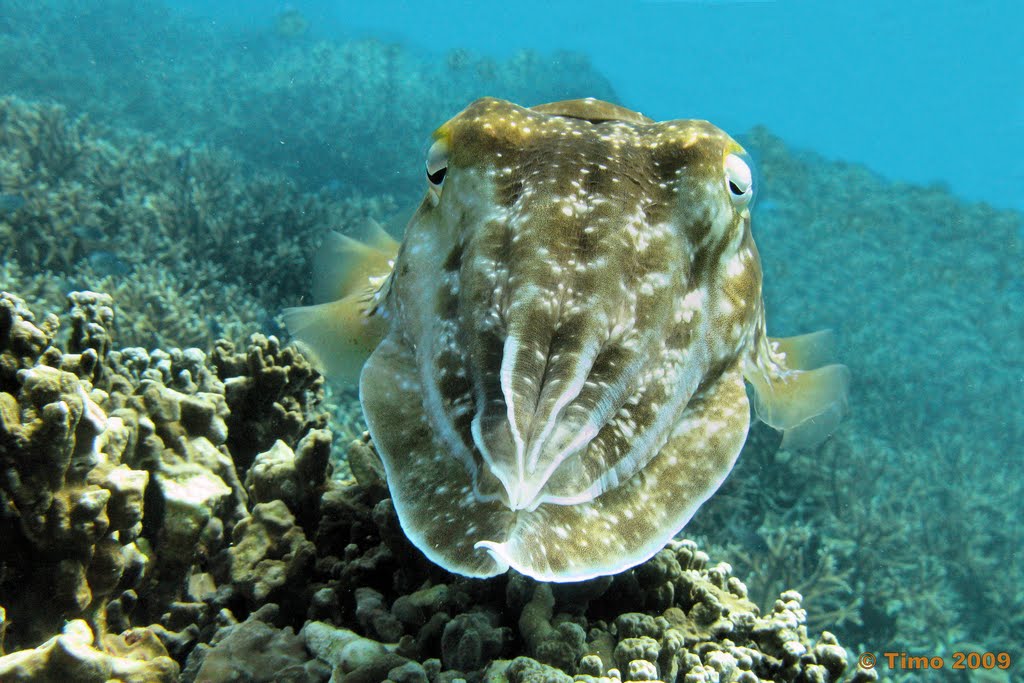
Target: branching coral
column 192, row 248
column 349, row 115
column 272, row 392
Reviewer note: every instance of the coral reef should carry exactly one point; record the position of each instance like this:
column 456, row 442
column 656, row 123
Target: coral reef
column 348, row 115
column 129, row 468
column 266, row 127
column 177, row 540
column 192, row 247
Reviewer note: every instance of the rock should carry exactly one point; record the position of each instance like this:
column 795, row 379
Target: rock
column 257, row 652
column 135, row 655
column 267, row 549
column 341, row 648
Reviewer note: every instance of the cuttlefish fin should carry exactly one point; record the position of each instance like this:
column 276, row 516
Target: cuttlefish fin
column 351, row 278
column 795, row 391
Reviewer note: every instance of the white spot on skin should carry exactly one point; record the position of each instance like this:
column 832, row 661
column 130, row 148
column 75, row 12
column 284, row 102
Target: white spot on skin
column 735, row 266
column 691, row 303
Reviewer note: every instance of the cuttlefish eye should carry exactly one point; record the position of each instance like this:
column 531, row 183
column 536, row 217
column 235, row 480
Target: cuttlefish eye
column 739, row 179
column 437, row 167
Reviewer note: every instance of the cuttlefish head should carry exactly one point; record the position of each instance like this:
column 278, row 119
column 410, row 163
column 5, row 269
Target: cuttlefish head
column 568, row 323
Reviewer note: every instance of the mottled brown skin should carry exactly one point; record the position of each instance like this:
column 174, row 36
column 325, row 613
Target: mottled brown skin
column 558, row 308
column 570, row 318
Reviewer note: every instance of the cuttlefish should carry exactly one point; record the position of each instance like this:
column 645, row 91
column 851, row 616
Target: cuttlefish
column 552, row 362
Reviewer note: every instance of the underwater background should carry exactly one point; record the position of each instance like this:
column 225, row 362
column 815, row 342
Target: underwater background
column 183, row 498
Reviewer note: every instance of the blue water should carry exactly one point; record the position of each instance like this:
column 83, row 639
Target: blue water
column 918, row 90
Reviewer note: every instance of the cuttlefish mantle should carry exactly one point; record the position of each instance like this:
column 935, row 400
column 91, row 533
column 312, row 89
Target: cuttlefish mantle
column 558, row 347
